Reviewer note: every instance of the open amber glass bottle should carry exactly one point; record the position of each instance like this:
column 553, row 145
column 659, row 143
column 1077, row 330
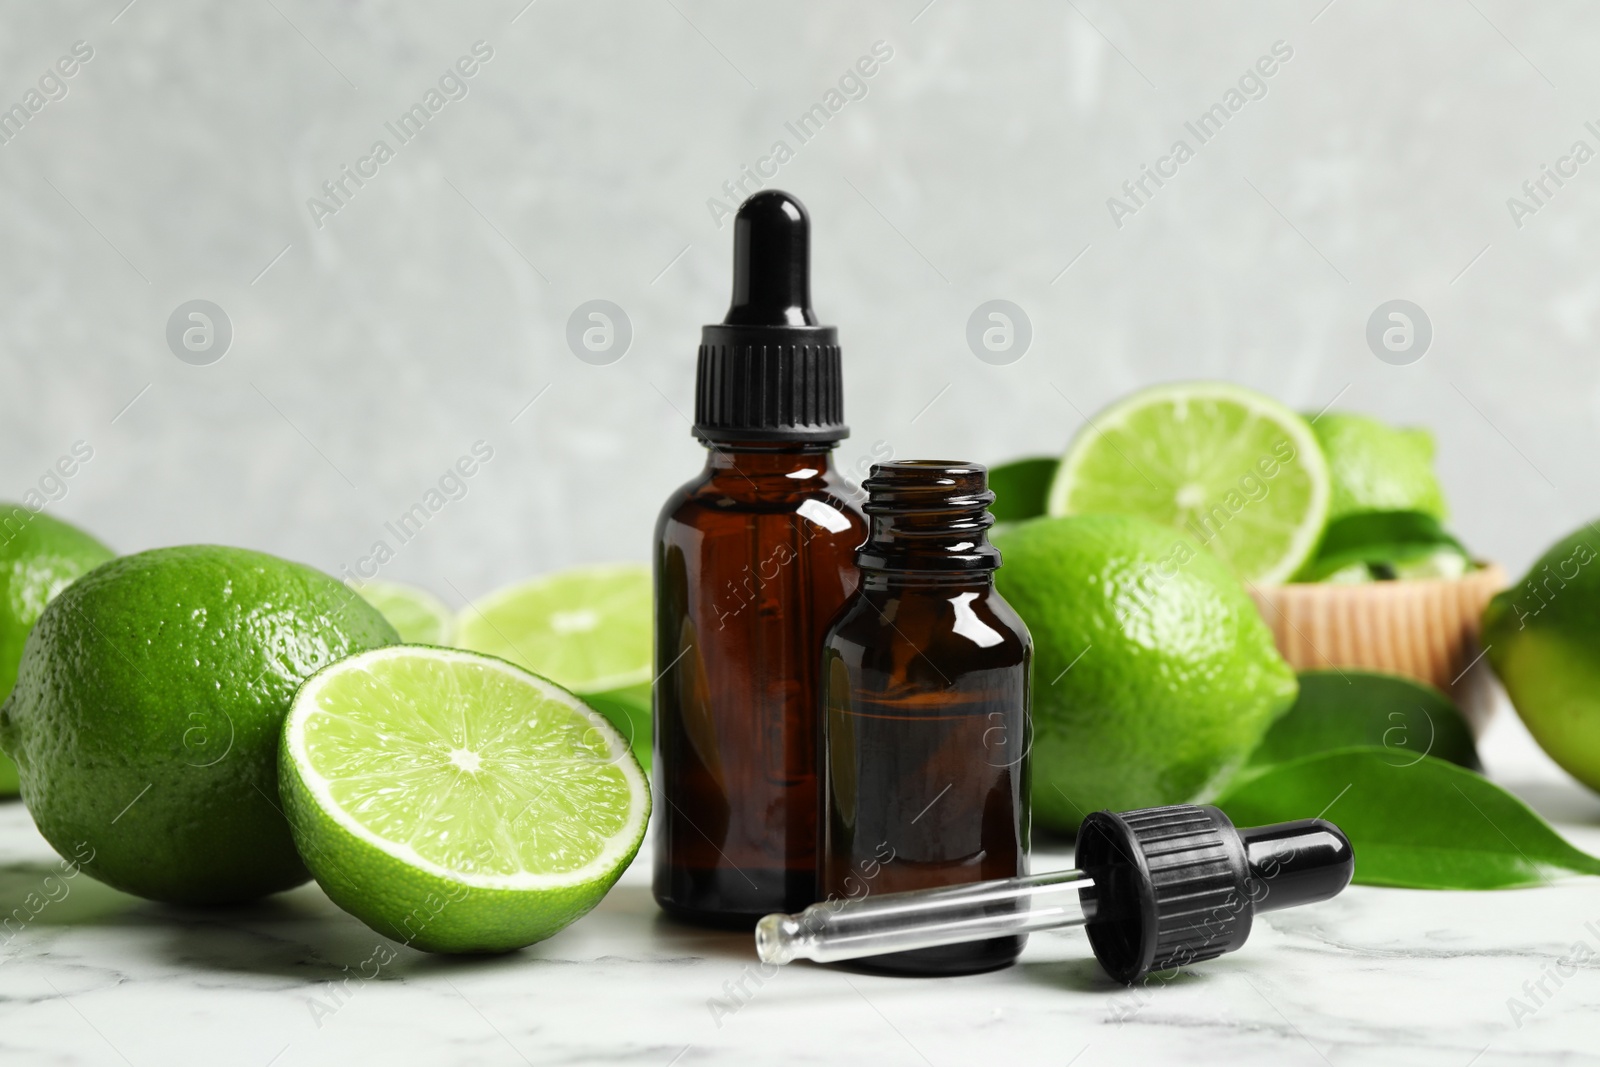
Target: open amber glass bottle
column 925, row 677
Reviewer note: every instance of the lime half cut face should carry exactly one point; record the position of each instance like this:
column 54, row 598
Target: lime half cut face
column 456, row 802
column 1226, row 467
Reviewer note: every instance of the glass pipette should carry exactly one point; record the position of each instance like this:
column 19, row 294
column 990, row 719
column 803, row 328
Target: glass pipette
column 1156, row 888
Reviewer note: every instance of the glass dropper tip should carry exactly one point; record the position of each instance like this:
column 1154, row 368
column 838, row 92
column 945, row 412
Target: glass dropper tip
column 779, row 939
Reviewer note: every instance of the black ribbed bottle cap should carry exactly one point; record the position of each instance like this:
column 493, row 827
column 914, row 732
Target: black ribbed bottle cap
column 1179, row 884
column 768, row 372
column 1171, row 888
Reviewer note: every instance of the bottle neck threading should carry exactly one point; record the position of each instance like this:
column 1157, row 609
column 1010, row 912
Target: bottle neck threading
column 928, row 519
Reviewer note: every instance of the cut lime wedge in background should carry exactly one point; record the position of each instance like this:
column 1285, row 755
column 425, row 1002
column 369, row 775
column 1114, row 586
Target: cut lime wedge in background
column 416, row 614
column 587, row 629
column 454, row 802
column 1233, row 470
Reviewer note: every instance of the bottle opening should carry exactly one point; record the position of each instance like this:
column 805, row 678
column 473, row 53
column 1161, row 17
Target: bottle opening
column 928, row 515
column 908, row 486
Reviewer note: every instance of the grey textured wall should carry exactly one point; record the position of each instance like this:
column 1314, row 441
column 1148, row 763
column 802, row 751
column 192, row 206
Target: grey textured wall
column 374, row 344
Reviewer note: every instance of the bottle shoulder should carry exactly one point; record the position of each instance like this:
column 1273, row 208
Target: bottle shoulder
column 1007, row 615
column 974, row 625
column 824, row 498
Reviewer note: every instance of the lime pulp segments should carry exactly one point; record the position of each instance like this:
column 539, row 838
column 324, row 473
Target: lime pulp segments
column 1229, row 468
column 455, row 802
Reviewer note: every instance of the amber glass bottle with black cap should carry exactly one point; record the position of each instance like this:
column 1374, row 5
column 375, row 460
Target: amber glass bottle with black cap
column 752, row 559
column 925, row 677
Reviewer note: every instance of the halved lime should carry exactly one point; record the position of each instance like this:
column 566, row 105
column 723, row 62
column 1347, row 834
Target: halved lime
column 587, row 628
column 1231, row 469
column 455, row 802
column 416, row 614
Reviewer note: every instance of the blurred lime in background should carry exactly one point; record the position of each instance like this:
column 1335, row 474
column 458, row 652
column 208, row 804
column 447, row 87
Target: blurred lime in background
column 39, row 557
column 1375, row 467
column 1542, row 636
column 417, row 615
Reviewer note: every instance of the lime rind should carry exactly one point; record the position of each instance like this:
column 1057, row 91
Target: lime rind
column 1145, row 456
column 380, row 795
column 587, row 628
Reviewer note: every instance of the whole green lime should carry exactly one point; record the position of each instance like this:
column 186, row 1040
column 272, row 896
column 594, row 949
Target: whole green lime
column 148, row 707
column 1154, row 677
column 1377, row 467
column 39, row 557
column 1543, row 640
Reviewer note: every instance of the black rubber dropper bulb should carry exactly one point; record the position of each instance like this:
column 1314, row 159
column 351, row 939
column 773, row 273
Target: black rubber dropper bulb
column 769, row 373
column 1294, row 863
column 771, row 263
column 1155, row 889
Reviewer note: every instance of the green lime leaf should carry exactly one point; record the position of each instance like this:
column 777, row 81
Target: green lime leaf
column 1417, row 825
column 1341, row 709
column 1378, row 537
column 1020, row 488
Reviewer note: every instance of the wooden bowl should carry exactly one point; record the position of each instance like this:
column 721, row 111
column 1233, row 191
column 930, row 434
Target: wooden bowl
column 1427, row 630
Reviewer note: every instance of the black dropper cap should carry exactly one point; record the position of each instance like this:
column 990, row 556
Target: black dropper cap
column 1177, row 885
column 768, row 372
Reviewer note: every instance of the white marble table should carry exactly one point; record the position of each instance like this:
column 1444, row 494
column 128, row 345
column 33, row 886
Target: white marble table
column 1376, row 976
